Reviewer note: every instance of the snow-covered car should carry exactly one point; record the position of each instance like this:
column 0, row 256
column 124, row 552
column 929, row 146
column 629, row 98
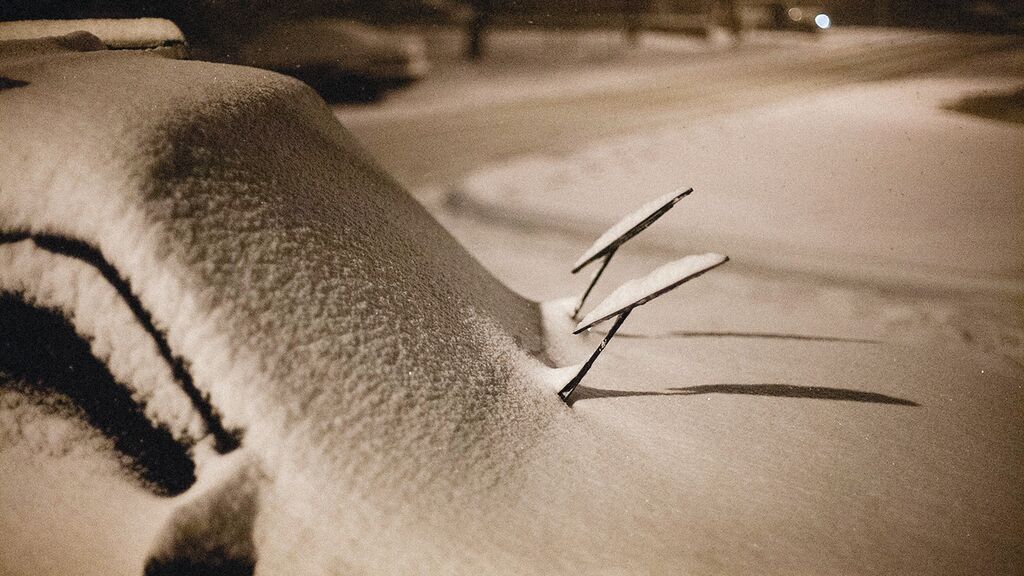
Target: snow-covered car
column 198, row 262
column 331, row 54
column 155, row 34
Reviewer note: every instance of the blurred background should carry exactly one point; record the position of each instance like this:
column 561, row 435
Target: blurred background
column 357, row 49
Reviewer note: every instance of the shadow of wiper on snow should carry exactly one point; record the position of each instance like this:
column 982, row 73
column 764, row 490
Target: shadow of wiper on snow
column 775, row 390
column 752, row 335
column 1006, row 106
column 6, row 83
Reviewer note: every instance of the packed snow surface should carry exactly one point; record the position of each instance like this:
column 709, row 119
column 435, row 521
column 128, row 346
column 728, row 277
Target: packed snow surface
column 640, row 290
column 628, row 223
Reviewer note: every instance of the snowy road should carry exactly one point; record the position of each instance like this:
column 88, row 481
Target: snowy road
column 836, row 156
column 521, row 104
column 548, row 146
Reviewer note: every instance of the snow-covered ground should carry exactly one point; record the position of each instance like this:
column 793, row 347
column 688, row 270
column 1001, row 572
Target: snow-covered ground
column 876, row 244
column 834, row 171
column 845, row 395
column 878, row 182
column 545, row 64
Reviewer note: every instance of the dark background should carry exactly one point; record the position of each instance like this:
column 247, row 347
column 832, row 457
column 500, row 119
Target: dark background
column 195, row 17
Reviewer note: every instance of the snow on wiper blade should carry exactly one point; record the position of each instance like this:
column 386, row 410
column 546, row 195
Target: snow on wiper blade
column 642, row 290
column 636, row 293
column 631, row 225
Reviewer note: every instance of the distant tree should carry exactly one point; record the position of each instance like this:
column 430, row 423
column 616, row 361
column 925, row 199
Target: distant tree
column 731, row 11
column 633, row 12
column 477, row 26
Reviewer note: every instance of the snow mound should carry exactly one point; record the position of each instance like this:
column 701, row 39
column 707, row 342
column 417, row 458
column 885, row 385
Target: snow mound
column 639, row 291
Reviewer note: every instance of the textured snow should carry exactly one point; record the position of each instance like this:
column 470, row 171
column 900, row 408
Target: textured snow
column 639, row 290
column 99, row 315
column 366, row 355
column 627, row 223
